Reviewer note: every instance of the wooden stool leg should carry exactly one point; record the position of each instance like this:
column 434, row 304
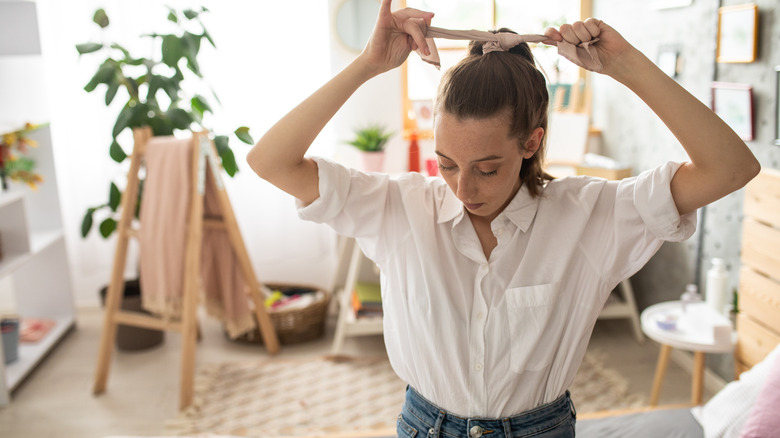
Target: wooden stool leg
column 660, row 372
column 697, row 387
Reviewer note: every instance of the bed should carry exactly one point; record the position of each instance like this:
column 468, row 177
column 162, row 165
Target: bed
column 758, row 327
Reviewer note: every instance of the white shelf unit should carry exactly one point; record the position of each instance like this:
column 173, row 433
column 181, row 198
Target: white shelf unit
column 34, row 271
column 349, row 324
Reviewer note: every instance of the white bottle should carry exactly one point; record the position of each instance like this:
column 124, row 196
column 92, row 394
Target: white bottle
column 717, row 286
column 690, row 296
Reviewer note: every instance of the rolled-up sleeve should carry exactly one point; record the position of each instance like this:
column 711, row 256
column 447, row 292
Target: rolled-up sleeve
column 654, row 202
column 353, row 203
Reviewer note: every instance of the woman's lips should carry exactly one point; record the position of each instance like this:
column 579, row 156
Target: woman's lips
column 472, row 206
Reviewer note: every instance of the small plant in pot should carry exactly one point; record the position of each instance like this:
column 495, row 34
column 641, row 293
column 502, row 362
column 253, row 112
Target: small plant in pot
column 371, row 141
column 162, row 90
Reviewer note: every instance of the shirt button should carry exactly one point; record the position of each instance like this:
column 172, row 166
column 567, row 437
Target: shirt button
column 478, row 367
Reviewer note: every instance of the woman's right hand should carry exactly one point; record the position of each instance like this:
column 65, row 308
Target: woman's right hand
column 395, row 35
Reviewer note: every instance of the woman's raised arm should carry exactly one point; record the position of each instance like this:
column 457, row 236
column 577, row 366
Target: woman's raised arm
column 278, row 156
column 720, row 163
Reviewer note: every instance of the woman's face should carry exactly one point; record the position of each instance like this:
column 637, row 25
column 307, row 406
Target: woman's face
column 480, row 162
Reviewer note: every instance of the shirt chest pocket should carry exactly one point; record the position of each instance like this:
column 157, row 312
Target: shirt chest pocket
column 529, row 310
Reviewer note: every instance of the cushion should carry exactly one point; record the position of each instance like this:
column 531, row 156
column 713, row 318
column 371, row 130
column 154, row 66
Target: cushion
column 764, row 420
column 727, row 411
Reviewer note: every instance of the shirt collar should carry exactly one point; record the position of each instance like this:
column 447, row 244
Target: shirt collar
column 520, row 211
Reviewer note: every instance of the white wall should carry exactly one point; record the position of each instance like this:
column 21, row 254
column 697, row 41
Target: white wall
column 270, row 56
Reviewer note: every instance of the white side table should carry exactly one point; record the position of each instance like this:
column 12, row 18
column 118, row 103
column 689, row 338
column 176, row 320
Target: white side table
column 693, row 332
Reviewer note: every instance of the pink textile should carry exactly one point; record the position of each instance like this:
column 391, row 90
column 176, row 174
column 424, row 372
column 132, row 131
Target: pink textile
column 764, row 419
column 163, row 234
column 581, row 54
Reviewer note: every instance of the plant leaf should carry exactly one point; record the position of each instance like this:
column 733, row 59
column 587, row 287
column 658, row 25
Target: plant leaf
column 172, row 16
column 101, row 18
column 172, row 50
column 221, row 143
column 88, row 47
column 228, row 161
column 113, row 87
column 107, row 227
column 200, row 105
column 86, row 223
column 190, row 14
column 114, row 197
column 207, row 35
column 105, row 73
column 116, row 152
column 243, row 134
column 123, row 120
column 180, row 118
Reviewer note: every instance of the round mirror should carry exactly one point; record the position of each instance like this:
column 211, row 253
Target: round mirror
column 355, row 21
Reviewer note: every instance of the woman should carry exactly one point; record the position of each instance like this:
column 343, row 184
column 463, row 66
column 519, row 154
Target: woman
column 494, row 275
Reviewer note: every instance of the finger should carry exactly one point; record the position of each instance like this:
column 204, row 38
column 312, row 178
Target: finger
column 416, row 28
column 553, row 34
column 594, row 26
column 569, row 35
column 384, row 10
column 581, row 31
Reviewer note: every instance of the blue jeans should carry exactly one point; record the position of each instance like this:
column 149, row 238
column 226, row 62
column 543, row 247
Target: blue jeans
column 422, row 419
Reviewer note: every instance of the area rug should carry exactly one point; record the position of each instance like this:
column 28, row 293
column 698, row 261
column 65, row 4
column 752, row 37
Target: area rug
column 336, row 395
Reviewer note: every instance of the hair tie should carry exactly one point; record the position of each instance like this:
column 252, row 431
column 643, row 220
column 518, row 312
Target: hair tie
column 581, row 54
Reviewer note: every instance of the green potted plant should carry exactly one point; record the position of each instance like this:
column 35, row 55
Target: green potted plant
column 371, row 141
column 154, row 88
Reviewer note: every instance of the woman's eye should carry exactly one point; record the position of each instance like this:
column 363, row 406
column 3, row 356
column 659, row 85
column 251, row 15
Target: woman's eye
column 484, row 173
column 445, row 168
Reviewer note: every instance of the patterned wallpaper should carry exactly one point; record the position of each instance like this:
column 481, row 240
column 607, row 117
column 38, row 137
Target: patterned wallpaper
column 633, row 135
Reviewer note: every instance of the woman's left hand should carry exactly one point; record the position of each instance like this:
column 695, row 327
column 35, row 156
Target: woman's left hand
column 610, row 47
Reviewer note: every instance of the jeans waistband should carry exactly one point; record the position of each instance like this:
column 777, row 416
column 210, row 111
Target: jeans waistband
column 534, row 422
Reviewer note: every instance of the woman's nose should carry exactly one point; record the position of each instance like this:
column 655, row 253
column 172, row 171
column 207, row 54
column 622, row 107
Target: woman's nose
column 465, row 187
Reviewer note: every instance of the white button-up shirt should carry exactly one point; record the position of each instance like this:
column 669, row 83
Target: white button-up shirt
column 495, row 337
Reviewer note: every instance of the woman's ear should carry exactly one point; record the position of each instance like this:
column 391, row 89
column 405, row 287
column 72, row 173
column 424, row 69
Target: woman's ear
column 533, row 143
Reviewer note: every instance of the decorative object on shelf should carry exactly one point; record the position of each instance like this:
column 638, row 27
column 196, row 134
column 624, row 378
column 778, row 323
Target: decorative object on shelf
column 371, row 141
column 777, row 105
column 14, row 164
column 737, row 33
column 9, row 326
column 143, row 79
column 734, row 104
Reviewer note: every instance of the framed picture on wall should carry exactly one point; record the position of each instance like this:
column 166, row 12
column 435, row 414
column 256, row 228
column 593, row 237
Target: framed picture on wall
column 734, row 104
column 737, row 33
column 777, row 105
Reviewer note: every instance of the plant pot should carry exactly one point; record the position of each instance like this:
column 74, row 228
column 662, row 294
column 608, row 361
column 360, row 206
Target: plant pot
column 129, row 338
column 373, row 161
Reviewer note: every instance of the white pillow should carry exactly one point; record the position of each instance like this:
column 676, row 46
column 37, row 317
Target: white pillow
column 725, row 413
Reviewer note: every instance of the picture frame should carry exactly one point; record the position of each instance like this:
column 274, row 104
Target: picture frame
column 669, row 60
column 733, row 103
column 737, row 33
column 777, row 105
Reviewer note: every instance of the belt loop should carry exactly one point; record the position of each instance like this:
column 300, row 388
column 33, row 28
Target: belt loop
column 571, row 404
column 436, row 431
column 507, row 427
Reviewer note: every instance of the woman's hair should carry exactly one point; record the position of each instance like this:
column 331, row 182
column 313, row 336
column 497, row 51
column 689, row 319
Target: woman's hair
column 482, row 86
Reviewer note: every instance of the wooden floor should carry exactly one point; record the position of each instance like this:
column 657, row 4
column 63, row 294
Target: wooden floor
column 56, row 401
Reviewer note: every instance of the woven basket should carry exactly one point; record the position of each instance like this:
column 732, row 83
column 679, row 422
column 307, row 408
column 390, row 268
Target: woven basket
column 294, row 326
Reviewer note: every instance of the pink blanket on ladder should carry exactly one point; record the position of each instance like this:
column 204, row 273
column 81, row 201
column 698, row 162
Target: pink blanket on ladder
column 164, row 213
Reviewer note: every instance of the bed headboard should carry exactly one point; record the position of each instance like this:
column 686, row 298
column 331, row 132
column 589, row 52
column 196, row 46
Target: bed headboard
column 758, row 321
